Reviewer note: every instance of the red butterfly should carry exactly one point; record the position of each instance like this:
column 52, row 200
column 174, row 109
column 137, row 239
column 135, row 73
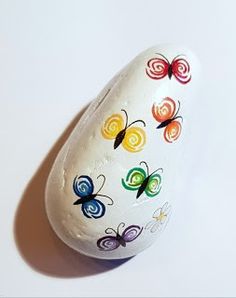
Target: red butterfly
column 166, row 114
column 158, row 68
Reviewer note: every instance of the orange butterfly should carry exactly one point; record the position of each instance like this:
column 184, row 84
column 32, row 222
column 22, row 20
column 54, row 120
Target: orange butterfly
column 132, row 138
column 166, row 114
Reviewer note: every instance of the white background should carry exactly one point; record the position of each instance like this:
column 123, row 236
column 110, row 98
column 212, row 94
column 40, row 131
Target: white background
column 55, row 56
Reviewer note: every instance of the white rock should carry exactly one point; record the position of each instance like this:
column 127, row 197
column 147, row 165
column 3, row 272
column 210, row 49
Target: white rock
column 118, row 213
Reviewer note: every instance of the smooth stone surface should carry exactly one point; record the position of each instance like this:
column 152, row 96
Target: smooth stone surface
column 110, row 192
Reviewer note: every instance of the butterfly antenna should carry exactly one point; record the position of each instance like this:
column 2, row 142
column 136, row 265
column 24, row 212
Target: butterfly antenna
column 163, row 57
column 127, row 118
column 118, row 228
column 105, row 196
column 159, row 169
column 180, row 55
column 144, row 124
column 179, row 117
column 144, row 162
column 177, row 110
column 110, row 229
column 104, row 180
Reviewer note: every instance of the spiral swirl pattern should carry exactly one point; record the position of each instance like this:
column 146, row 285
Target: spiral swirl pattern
column 83, row 186
column 157, row 68
column 112, row 126
column 181, row 70
column 108, row 243
column 154, row 185
column 136, row 178
column 172, row 131
column 134, row 140
column 93, row 209
column 165, row 110
column 131, row 233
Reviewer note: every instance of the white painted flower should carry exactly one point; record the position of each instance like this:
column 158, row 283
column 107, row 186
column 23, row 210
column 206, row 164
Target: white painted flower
column 160, row 218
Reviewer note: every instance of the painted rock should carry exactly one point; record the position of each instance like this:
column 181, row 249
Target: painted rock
column 110, row 190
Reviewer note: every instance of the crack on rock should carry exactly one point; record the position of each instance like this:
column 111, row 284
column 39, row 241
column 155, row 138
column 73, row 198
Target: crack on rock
column 63, row 179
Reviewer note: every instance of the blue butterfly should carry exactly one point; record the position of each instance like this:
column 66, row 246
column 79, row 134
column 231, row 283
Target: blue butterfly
column 90, row 206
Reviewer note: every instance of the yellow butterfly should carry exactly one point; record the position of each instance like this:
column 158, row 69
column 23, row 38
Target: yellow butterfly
column 132, row 139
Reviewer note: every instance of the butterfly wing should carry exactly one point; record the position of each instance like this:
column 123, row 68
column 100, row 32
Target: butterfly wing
column 154, row 185
column 112, row 126
column 181, row 70
column 134, row 140
column 172, row 131
column 93, row 209
column 134, row 179
column 157, row 68
column 83, row 186
column 164, row 110
column 108, row 243
column 131, row 233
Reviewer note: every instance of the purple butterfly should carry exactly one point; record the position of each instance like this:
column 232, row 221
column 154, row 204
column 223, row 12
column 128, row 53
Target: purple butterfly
column 109, row 243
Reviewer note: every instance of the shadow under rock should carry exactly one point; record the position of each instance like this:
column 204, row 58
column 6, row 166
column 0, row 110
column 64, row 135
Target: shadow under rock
column 36, row 241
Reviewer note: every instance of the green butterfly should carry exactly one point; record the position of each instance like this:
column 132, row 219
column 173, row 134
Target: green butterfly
column 140, row 180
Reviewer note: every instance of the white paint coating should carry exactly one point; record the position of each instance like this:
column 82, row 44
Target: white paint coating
column 87, row 152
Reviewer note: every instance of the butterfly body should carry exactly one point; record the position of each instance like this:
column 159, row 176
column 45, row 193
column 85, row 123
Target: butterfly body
column 167, row 114
column 170, row 71
column 121, row 240
column 91, row 207
column 132, row 138
column 160, row 67
column 109, row 243
column 143, row 187
column 119, row 138
column 85, row 199
column 141, row 181
column 167, row 122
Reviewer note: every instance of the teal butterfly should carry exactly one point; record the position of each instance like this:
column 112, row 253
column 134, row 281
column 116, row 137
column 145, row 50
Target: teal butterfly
column 141, row 181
